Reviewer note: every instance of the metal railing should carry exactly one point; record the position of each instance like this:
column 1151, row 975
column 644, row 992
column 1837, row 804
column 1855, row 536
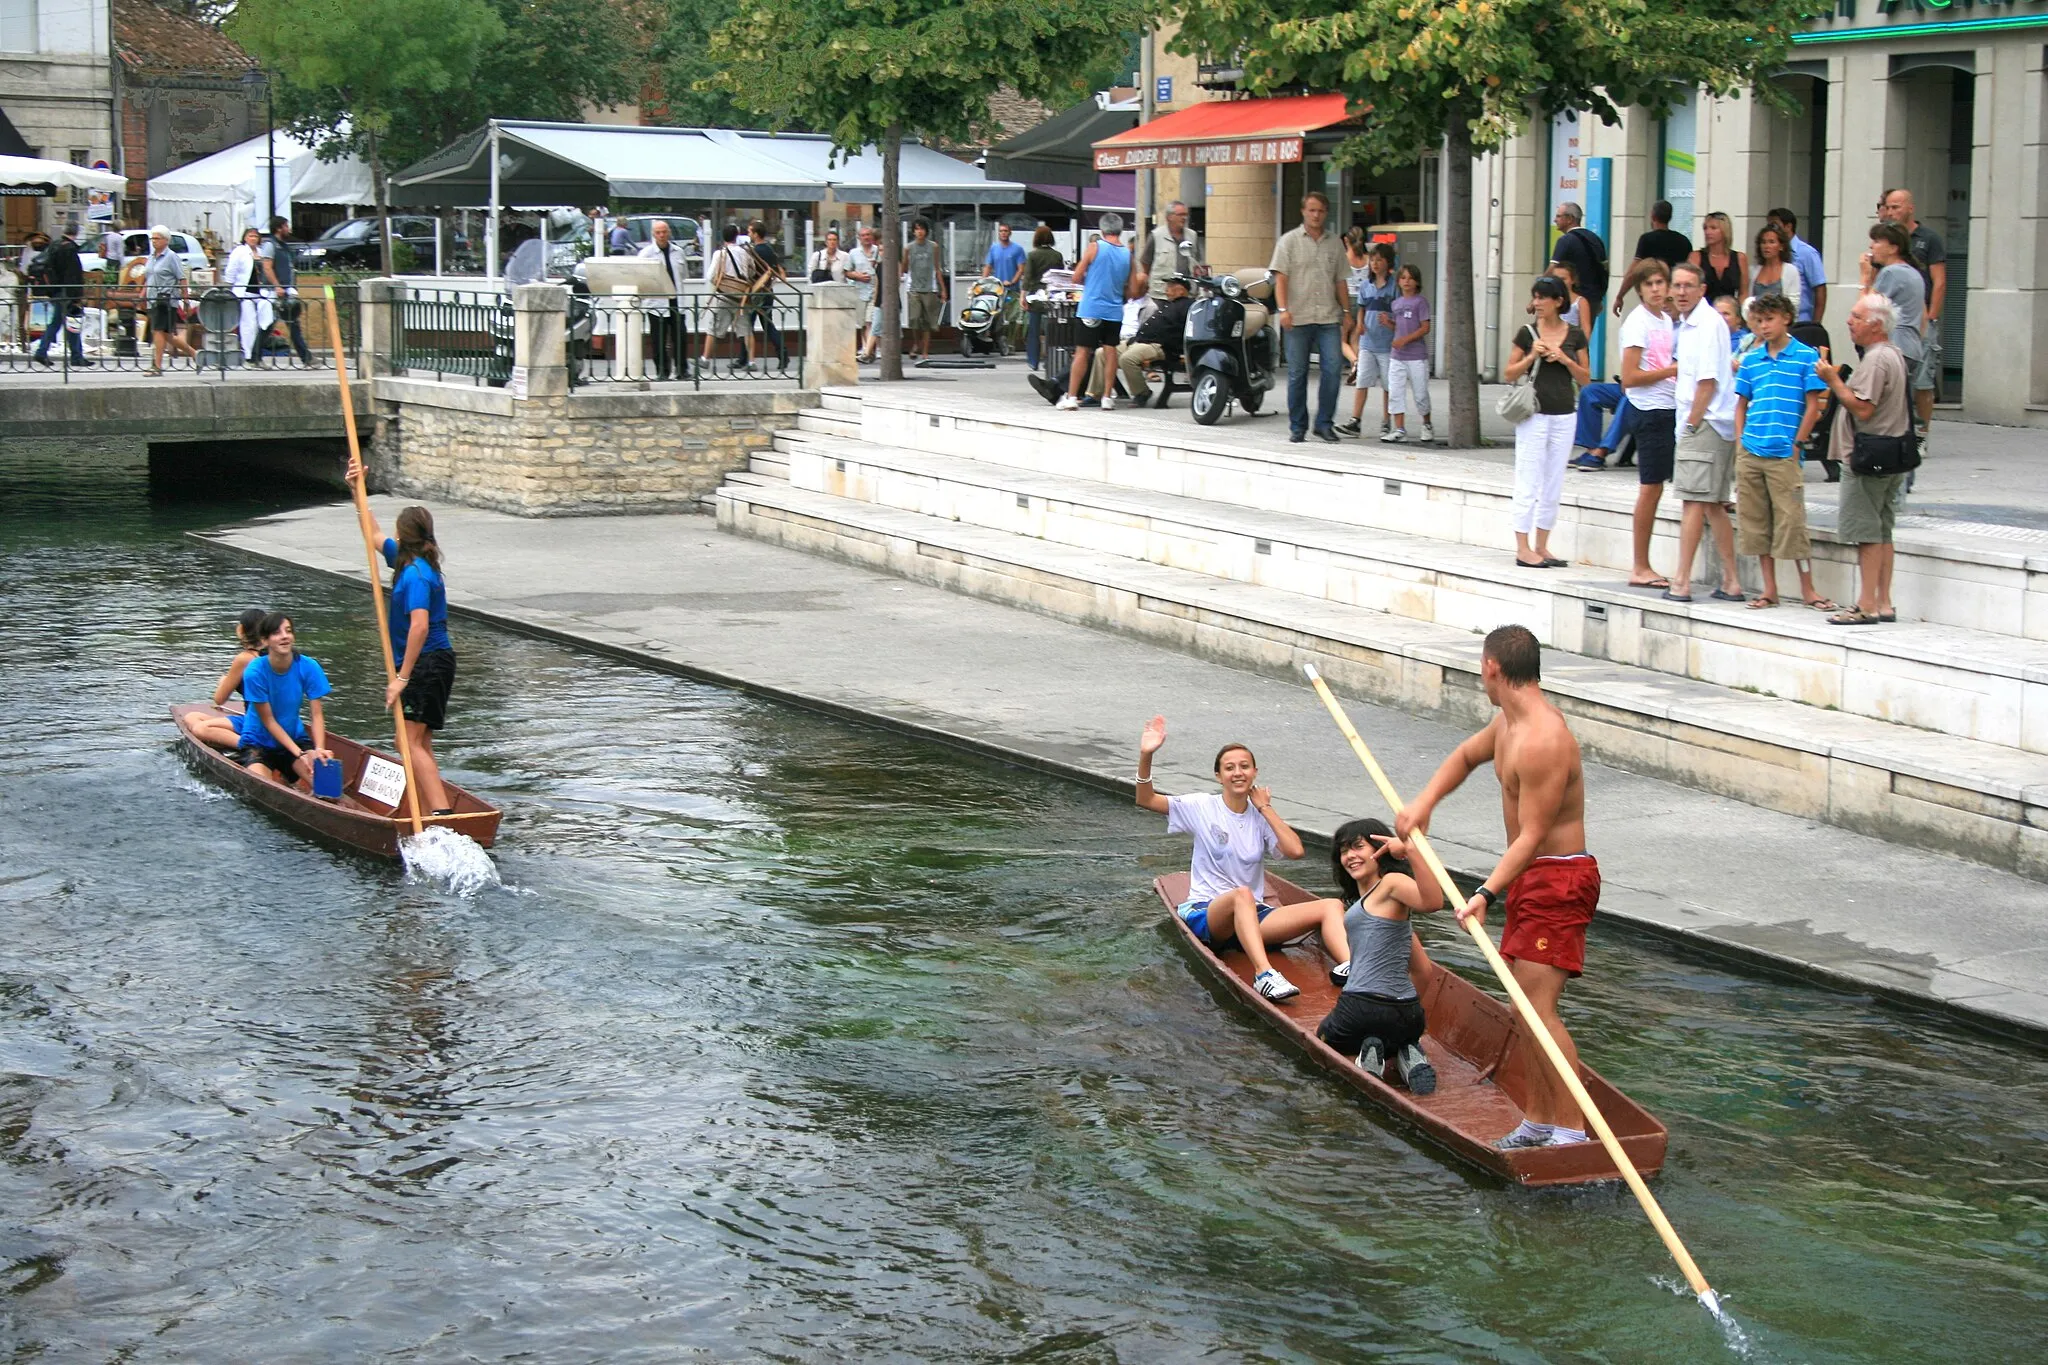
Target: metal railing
column 463, row 332
column 104, row 328
column 622, row 339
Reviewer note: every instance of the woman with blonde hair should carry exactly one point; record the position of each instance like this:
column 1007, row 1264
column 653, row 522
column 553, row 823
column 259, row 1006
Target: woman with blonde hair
column 1723, row 269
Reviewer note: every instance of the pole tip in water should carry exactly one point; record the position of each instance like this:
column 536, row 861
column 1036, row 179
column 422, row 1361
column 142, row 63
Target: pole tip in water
column 1310, row 670
column 1711, row 1301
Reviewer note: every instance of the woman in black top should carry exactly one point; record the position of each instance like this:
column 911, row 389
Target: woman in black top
column 1555, row 349
column 1723, row 270
column 1042, row 257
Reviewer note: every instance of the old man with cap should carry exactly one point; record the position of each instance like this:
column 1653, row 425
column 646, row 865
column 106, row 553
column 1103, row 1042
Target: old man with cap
column 1159, row 340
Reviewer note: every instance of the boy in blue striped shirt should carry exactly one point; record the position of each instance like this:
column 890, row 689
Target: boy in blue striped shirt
column 1777, row 402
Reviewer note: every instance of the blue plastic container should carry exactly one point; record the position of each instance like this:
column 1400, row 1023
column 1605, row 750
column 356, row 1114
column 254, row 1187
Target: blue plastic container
column 327, row 778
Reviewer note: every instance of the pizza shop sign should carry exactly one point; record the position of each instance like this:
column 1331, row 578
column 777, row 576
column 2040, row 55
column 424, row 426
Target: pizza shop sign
column 1256, row 152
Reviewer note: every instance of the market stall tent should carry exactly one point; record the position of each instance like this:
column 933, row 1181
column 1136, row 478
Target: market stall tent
column 227, row 190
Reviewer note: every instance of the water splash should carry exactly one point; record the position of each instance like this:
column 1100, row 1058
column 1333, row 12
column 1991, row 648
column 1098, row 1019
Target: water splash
column 202, row 791
column 1741, row 1343
column 455, row 861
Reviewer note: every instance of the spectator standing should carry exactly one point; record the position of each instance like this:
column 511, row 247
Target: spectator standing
column 927, row 276
column 1579, row 247
column 1579, row 309
column 1171, row 248
column 281, row 267
column 1554, row 349
column 1159, row 340
column 1724, row 269
column 64, row 285
column 1374, row 297
column 1408, row 377
column 732, row 268
column 1777, row 402
column 1813, row 302
column 1309, row 274
column 1104, row 274
column 1930, row 258
column 1043, row 256
column 1660, row 243
column 1772, row 270
column 1005, row 263
column 621, row 241
column 1703, row 474
column 1888, row 270
column 1649, row 372
column 665, row 317
column 828, row 264
column 863, row 267
column 1876, row 401
column 166, row 283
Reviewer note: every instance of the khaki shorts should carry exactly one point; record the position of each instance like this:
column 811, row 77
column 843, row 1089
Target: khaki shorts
column 1705, row 471
column 725, row 314
column 1869, row 507
column 924, row 313
column 1372, row 369
column 1770, row 508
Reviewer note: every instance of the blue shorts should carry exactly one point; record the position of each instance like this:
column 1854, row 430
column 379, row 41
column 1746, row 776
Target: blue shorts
column 1195, row 914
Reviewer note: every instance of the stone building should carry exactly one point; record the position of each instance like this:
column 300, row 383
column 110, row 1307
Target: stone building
column 185, row 90
column 56, row 98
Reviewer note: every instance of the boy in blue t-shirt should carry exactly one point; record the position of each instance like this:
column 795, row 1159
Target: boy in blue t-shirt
column 276, row 744
column 1777, row 402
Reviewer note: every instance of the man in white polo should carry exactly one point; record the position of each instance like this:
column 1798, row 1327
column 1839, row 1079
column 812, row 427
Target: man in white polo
column 1704, row 471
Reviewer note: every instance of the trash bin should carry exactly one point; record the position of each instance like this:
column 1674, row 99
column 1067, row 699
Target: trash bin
column 220, row 313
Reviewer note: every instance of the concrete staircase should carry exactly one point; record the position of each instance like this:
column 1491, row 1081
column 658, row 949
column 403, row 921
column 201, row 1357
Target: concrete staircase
column 1387, row 566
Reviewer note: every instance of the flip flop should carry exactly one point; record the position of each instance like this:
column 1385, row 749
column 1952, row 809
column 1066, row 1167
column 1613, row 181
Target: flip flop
column 1855, row 618
column 1822, row 604
column 1660, row 582
column 1670, row 596
column 1759, row 603
column 1720, row 596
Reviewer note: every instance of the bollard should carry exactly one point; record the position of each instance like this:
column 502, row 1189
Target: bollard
column 632, row 337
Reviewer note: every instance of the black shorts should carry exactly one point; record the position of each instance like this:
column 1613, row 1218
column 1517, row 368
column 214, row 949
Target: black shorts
column 279, row 761
column 1097, row 331
column 163, row 315
column 1359, row 1016
column 1656, row 444
column 425, row 698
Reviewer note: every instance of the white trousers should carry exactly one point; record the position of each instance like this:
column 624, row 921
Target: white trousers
column 256, row 319
column 1408, row 387
column 1542, row 445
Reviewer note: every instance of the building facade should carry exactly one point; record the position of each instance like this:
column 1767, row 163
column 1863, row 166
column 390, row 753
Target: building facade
column 56, row 93
column 185, row 90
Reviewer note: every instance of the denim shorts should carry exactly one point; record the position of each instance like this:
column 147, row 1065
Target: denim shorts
column 1195, row 914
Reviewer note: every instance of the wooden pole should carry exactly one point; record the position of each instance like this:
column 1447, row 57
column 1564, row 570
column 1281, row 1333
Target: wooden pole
column 1558, row 1061
column 362, row 496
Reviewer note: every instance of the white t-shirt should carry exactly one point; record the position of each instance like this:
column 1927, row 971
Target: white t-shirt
column 1704, row 352
column 1652, row 332
column 1230, row 848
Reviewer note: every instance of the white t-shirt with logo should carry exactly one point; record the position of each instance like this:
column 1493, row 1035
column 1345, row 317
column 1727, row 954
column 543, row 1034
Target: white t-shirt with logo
column 1230, row 846
column 1652, row 332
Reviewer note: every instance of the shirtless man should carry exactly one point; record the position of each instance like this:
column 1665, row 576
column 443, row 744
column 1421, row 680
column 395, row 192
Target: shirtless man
column 1553, row 884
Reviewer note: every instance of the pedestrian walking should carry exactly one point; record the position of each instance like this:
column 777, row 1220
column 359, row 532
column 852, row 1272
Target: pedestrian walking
column 1171, row 248
column 280, row 267
column 1777, row 402
column 1724, row 269
column 166, row 283
column 925, row 270
column 1552, row 350
column 1930, row 258
column 1104, row 274
column 244, row 276
column 732, row 269
column 760, row 305
column 1579, row 247
column 64, row 285
column 620, row 242
column 667, row 323
column 1004, row 263
column 1308, row 283
column 1772, row 270
column 1373, row 300
column 1408, row 368
column 1813, row 302
column 1042, row 257
column 1649, row 372
column 1703, row 473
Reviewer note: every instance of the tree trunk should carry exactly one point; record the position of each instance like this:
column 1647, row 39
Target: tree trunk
column 381, row 188
column 888, row 279
column 1461, row 339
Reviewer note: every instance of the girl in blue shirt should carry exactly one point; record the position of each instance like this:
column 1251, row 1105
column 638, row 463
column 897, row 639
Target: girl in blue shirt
column 222, row 732
column 420, row 646
column 275, row 743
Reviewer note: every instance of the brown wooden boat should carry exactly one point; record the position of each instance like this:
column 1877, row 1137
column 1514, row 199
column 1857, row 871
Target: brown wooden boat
column 1483, row 1060
column 358, row 821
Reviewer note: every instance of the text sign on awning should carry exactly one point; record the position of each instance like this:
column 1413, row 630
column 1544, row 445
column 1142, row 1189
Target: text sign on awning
column 1257, row 151
column 27, row 191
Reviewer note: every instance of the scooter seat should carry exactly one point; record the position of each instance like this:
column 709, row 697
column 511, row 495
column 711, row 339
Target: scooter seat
column 1255, row 319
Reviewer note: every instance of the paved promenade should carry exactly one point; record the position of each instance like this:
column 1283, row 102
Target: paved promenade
column 1733, row 879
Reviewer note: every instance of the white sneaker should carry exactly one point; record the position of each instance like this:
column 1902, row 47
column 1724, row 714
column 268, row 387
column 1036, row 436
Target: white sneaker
column 1416, row 1072
column 1372, row 1058
column 1109, row 402
column 1274, row 986
column 1394, row 437
column 1428, row 436
column 1068, row 403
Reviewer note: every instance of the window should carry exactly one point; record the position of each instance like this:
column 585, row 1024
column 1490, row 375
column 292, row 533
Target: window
column 18, row 26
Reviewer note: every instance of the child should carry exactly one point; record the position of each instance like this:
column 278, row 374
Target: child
column 1408, row 366
column 275, row 744
column 1374, row 297
column 1777, row 403
column 1738, row 329
column 420, row 647
column 220, row 732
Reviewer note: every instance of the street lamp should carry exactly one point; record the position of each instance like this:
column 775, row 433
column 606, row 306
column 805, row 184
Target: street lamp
column 252, row 78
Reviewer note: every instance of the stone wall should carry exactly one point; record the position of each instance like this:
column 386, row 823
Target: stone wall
column 570, row 454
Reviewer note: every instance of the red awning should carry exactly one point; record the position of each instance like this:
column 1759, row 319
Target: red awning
column 1222, row 133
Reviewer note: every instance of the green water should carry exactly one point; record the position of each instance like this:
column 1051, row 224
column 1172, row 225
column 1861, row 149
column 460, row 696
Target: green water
column 788, row 1040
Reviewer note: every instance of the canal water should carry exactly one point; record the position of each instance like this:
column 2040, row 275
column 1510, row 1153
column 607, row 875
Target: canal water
column 790, row 1040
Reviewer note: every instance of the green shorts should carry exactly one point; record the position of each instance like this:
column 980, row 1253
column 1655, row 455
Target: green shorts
column 1869, row 507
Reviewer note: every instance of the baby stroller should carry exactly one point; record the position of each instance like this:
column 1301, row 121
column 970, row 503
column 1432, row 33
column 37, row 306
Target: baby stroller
column 984, row 330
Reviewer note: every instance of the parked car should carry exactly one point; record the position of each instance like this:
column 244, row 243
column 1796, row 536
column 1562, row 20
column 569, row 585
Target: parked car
column 135, row 242
column 355, row 244
column 565, row 253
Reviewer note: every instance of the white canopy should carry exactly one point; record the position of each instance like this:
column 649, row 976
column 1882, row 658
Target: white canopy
column 35, row 170
column 227, row 189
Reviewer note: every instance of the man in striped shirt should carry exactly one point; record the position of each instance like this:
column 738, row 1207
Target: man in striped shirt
column 1777, row 402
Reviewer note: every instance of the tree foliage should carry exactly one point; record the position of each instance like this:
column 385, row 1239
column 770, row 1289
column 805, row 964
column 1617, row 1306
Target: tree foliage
column 874, row 71
column 690, row 99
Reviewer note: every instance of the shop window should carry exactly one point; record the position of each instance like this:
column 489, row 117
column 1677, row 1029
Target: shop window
column 1676, row 170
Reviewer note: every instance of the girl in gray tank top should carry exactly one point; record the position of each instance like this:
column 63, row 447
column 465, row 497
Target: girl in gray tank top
column 1379, row 1014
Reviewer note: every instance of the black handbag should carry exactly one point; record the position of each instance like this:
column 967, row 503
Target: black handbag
column 1880, row 457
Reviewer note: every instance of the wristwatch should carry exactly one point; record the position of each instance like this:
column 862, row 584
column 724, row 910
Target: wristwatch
column 1689, row 429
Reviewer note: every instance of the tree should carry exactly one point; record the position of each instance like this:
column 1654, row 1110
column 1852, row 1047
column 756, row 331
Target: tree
column 350, row 69
column 876, row 71
column 1469, row 74
column 689, row 99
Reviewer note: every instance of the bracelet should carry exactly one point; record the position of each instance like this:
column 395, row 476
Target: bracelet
column 1143, row 779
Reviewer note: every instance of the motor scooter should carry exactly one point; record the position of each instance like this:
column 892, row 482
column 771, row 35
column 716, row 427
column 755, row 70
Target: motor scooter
column 1232, row 346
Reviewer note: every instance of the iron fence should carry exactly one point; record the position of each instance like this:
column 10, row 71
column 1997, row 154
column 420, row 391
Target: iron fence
column 756, row 337
column 463, row 332
column 115, row 328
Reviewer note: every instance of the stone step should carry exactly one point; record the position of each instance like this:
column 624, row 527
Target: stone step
column 1986, row 687
column 1972, row 575
column 773, row 464
column 1981, row 801
column 840, row 400
column 830, row 423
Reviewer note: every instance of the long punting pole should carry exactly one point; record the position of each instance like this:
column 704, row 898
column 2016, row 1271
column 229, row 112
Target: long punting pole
column 362, row 495
column 1558, row 1061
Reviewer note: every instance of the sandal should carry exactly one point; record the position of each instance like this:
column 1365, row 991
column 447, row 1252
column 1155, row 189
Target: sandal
column 1670, row 596
column 1854, row 618
column 1887, row 617
column 1759, row 603
column 1721, row 596
column 1822, row 604
column 1661, row 583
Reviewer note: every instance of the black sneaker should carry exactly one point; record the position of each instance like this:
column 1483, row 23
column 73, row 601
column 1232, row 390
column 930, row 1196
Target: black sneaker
column 1340, row 975
column 1326, row 434
column 1348, row 428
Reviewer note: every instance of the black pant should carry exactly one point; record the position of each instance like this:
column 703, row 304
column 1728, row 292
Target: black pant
column 1358, row 1016
column 291, row 327
column 671, row 334
column 765, row 312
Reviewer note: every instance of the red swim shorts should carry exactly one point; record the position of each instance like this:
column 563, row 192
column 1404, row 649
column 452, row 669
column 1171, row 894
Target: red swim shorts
column 1549, row 907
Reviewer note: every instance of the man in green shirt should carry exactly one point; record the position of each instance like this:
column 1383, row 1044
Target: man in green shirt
column 922, row 266
column 1309, row 275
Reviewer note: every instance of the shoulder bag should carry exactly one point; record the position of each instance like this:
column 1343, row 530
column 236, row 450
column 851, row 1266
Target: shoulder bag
column 1518, row 404
column 1880, row 457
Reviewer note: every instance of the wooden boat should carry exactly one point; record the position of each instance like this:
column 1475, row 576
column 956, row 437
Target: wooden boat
column 1483, row 1060
column 356, row 820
